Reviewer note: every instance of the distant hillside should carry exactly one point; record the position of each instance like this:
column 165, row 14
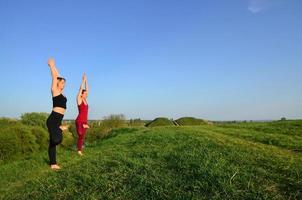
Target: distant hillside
column 190, row 121
column 160, row 121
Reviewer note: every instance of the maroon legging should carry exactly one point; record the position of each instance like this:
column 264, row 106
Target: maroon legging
column 81, row 134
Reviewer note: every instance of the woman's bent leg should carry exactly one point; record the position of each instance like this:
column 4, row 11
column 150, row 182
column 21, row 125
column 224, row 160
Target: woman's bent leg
column 55, row 136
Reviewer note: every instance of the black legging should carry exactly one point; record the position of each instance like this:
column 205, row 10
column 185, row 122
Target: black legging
column 55, row 134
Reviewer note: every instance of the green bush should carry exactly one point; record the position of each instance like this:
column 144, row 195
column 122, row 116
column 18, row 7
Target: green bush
column 114, row 121
column 190, row 121
column 68, row 139
column 23, row 137
column 8, row 122
column 17, row 140
column 26, row 139
column 9, row 146
column 136, row 122
column 161, row 121
column 95, row 133
column 35, row 119
column 42, row 137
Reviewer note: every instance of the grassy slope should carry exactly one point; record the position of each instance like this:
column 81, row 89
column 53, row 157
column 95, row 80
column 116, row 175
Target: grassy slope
column 162, row 163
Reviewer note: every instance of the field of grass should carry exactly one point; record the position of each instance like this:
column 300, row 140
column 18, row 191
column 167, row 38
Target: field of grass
column 224, row 161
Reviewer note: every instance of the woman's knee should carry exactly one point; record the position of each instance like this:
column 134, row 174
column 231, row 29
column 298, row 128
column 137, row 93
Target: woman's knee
column 80, row 135
column 58, row 139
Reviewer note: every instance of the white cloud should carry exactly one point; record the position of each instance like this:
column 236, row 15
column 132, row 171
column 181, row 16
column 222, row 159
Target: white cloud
column 256, row 6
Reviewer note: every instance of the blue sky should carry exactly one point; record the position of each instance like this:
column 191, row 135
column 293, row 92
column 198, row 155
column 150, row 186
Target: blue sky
column 213, row 59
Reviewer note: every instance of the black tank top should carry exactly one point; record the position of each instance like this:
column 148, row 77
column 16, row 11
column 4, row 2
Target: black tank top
column 59, row 101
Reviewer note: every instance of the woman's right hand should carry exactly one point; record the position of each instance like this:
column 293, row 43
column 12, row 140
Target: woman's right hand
column 86, row 126
column 51, row 62
column 84, row 77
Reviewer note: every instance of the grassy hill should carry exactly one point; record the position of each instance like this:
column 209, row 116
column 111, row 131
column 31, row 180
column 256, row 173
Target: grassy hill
column 190, row 121
column 160, row 121
column 233, row 161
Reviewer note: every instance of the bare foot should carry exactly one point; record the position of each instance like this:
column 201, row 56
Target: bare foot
column 63, row 127
column 80, row 153
column 55, row 167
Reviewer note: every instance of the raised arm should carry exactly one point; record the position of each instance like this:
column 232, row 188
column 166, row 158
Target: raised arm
column 79, row 100
column 86, row 85
column 54, row 74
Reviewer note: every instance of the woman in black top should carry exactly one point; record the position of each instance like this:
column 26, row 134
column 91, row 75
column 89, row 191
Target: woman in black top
column 54, row 121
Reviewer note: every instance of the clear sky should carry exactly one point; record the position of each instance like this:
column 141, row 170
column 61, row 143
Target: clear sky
column 213, row 59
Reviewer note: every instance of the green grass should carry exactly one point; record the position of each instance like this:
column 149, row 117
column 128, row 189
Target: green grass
column 285, row 134
column 198, row 162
